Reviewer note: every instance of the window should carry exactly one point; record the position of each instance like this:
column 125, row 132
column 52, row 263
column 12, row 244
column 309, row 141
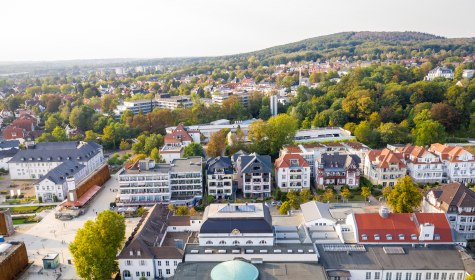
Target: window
column 148, row 273
column 137, row 274
column 222, row 242
column 377, row 275
column 235, row 242
column 364, row 237
column 399, row 276
column 160, row 273
column 167, row 272
column 167, row 263
column 159, row 263
column 175, row 263
column 388, row 275
column 418, row 276
column 368, row 275
column 249, row 242
column 376, row 237
column 436, row 276
column 128, row 262
column 414, row 236
column 390, row 237
column 209, row 242
column 142, row 262
column 408, row 276
column 143, row 273
column 262, row 242
column 126, row 273
column 443, row 276
column 401, row 236
column 428, row 275
column 452, row 276
column 459, row 276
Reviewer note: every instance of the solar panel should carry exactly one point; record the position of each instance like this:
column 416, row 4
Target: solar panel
column 393, row 250
column 343, row 248
column 238, row 208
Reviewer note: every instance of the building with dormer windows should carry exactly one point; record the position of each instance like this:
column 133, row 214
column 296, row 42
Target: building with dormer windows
column 459, row 164
column 337, row 170
column 254, row 174
column 292, row 172
column 219, row 175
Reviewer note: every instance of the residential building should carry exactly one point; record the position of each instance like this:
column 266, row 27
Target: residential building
column 468, row 73
column 384, row 167
column 7, row 145
column 152, row 251
column 440, row 72
column 147, row 182
column 292, row 173
column 242, row 97
column 337, row 170
column 6, row 156
column 423, row 166
column 182, row 137
column 135, row 106
column 169, row 153
column 165, row 101
column 232, row 224
column 322, row 134
column 254, row 174
column 457, row 202
column 219, row 177
column 38, row 160
column 53, row 186
column 12, row 132
column 459, row 164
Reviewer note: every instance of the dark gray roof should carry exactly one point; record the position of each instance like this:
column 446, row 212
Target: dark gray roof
column 267, row 271
column 338, row 161
column 219, row 163
column 243, row 224
column 8, row 153
column 375, row 258
column 238, row 154
column 58, row 152
column 249, row 162
column 59, row 174
column 9, row 144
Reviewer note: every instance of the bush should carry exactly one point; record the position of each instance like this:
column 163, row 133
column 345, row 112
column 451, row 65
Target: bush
column 21, row 196
column 40, row 199
column 7, row 196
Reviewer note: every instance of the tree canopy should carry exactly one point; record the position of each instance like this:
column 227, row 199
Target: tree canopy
column 405, row 196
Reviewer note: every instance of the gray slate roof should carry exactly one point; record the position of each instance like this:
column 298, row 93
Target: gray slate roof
column 219, row 163
column 58, row 152
column 8, row 153
column 374, row 258
column 238, row 154
column 59, row 174
column 248, row 163
column 338, row 162
column 9, row 144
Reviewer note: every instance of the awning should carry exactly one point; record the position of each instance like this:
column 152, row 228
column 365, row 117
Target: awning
column 83, row 199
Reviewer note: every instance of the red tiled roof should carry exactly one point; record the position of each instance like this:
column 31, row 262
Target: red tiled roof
column 12, row 132
column 179, row 134
column 284, row 161
column 383, row 158
column 401, row 223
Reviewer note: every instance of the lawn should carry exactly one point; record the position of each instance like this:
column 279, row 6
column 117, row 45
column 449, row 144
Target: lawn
column 29, row 209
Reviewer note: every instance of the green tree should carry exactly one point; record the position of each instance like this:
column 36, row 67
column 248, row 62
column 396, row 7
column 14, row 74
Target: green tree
column 328, row 194
column 217, row 143
column 91, row 136
column 52, row 122
column 305, row 195
column 280, row 130
column 155, row 155
column 182, row 210
column 96, row 245
column 124, row 145
column 59, row 134
column 405, row 196
column 193, row 150
column 345, row 193
column 365, row 192
column 293, row 199
column 429, row 132
column 82, row 117
column 284, row 208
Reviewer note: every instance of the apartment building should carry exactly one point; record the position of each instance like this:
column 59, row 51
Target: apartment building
column 254, row 174
column 423, row 166
column 38, row 160
column 322, row 134
column 292, row 172
column 337, row 170
column 459, row 164
column 219, row 177
column 440, row 72
column 457, row 202
column 384, row 167
column 146, row 182
column 165, row 101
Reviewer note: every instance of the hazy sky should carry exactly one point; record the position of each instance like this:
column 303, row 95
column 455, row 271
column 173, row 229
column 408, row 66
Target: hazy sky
column 77, row 29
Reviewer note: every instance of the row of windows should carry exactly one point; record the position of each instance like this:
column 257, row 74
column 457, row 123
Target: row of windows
column 418, row 276
column 159, row 263
column 236, row 242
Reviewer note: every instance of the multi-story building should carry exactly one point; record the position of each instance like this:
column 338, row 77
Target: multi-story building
column 423, row 166
column 153, row 251
column 53, row 186
column 384, row 167
column 457, row 202
column 146, row 182
column 254, row 174
column 459, row 164
column 40, row 159
column 322, row 134
column 440, row 72
column 219, row 177
column 292, row 172
column 337, row 170
column 182, row 137
column 242, row 97
column 135, row 106
column 165, row 101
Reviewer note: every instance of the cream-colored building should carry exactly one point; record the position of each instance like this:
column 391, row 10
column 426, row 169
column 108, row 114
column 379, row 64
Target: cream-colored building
column 384, row 167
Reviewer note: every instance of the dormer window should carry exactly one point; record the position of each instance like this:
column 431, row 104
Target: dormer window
column 376, row 237
column 437, row 236
column 364, row 237
column 138, row 252
column 401, row 236
column 389, row 237
column 414, row 236
column 131, row 252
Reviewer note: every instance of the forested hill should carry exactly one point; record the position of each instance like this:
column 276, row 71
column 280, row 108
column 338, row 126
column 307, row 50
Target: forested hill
column 364, row 46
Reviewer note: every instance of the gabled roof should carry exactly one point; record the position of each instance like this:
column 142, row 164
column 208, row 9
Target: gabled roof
column 179, row 134
column 59, row 174
column 383, row 158
column 253, row 160
column 314, row 210
column 338, row 162
column 219, row 163
column 238, row 154
column 285, row 161
column 449, row 153
column 395, row 224
column 454, row 195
